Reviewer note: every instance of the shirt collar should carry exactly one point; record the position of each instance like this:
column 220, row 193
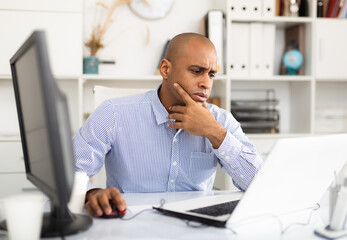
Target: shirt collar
column 159, row 110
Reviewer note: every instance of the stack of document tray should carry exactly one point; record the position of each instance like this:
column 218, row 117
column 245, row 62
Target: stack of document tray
column 257, row 115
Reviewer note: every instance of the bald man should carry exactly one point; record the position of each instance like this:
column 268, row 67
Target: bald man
column 168, row 139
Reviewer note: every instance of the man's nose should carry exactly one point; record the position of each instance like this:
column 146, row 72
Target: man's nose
column 205, row 82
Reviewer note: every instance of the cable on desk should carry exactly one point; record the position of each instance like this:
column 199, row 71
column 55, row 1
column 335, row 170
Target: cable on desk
column 282, row 229
column 315, row 208
column 162, row 202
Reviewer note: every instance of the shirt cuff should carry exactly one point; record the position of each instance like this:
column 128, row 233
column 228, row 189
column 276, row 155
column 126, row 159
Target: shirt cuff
column 229, row 148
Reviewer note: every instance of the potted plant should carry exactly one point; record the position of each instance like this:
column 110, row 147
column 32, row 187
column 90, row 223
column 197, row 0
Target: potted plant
column 95, row 42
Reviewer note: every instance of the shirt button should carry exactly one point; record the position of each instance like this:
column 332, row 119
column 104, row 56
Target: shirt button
column 172, row 180
column 227, row 157
column 174, row 163
column 175, row 140
column 222, row 153
column 241, row 176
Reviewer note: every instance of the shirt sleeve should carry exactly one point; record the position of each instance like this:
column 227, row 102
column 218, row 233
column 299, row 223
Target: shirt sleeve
column 93, row 141
column 237, row 155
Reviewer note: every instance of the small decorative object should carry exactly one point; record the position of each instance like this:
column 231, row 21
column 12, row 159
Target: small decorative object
column 90, row 65
column 100, row 29
column 292, row 61
column 95, row 43
column 291, row 8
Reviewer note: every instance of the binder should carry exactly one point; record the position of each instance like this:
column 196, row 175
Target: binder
column 239, row 50
column 256, row 8
column 256, row 49
column 214, row 30
column 240, row 8
column 269, row 8
column 343, row 12
column 331, row 9
column 269, row 34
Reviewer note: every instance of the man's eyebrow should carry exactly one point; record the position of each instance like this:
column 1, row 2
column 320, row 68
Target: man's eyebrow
column 203, row 68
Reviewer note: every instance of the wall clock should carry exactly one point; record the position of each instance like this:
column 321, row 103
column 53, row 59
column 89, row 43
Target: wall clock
column 151, row 9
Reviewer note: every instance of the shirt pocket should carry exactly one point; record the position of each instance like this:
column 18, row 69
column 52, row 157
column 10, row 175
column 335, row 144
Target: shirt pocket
column 202, row 166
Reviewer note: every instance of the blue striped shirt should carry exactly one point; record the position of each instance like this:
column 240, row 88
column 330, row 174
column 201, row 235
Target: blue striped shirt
column 142, row 154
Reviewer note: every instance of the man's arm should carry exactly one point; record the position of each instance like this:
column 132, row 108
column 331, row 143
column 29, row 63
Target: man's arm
column 91, row 144
column 236, row 154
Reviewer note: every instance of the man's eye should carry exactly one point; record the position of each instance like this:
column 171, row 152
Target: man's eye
column 195, row 71
column 212, row 75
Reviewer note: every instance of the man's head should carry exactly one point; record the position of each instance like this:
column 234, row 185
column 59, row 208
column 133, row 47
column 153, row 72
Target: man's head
column 190, row 61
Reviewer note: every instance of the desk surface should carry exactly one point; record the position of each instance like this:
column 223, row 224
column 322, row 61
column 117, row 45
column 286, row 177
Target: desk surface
column 153, row 225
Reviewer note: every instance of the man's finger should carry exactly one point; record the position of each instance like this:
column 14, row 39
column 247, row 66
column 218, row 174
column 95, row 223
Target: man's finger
column 176, row 116
column 185, row 96
column 104, row 203
column 177, row 108
column 117, row 199
column 177, row 125
column 94, row 206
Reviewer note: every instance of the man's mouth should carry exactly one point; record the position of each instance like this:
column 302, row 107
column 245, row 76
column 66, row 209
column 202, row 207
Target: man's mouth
column 200, row 97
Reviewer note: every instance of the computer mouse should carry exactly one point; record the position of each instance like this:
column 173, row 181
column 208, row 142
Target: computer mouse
column 114, row 214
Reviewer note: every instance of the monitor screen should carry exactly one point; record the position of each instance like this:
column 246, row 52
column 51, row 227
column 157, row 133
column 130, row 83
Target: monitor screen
column 45, row 135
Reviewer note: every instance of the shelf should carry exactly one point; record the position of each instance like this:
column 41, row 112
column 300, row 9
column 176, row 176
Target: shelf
column 276, row 135
column 59, row 77
column 279, row 21
column 9, row 138
column 331, row 79
column 132, row 77
column 5, row 77
column 278, row 78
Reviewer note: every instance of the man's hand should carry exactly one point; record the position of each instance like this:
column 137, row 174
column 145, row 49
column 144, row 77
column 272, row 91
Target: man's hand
column 196, row 119
column 97, row 201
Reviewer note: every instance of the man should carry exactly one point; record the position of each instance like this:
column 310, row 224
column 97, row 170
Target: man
column 168, row 139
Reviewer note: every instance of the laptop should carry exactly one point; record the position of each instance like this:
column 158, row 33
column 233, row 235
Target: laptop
column 294, row 177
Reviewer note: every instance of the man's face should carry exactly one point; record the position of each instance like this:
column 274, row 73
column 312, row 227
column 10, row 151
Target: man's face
column 195, row 72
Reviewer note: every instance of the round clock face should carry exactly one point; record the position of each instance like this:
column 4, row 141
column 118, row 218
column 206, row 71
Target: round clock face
column 151, row 9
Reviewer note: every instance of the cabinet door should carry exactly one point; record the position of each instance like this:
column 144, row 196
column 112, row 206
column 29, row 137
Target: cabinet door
column 15, row 184
column 11, row 157
column 331, row 49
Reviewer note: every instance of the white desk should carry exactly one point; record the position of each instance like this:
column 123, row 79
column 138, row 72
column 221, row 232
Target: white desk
column 153, row 225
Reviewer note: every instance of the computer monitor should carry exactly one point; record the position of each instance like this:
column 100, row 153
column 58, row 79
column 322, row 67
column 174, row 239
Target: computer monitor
column 46, row 135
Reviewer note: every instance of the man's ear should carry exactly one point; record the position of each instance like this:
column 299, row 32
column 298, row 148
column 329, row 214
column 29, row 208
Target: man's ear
column 165, row 68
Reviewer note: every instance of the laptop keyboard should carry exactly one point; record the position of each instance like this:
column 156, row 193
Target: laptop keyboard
column 217, row 210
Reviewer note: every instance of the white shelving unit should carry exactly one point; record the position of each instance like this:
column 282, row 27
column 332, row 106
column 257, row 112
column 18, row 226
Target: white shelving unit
column 323, row 85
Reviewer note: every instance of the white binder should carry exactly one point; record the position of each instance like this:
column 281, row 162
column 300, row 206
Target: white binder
column 256, row 8
column 240, row 8
column 256, row 49
column 215, row 33
column 239, row 50
column 269, row 33
column 269, row 7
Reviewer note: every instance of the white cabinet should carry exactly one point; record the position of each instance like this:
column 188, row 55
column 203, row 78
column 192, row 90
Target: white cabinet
column 12, row 170
column 331, row 48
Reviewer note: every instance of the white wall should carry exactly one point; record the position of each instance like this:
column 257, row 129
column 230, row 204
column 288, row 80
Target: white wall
column 127, row 35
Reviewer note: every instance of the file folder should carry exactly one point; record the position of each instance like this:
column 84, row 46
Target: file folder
column 256, row 49
column 269, row 34
column 214, row 30
column 255, row 9
column 269, row 8
column 239, row 50
column 240, row 8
